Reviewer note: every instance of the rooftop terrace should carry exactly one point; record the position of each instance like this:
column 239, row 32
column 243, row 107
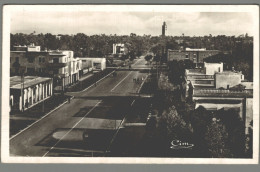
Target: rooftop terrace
column 15, row 81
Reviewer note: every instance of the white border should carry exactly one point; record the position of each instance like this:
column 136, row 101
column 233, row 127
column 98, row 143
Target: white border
column 9, row 9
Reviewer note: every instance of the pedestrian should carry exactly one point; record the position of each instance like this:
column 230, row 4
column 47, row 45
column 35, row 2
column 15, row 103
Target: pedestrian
column 68, row 99
column 95, row 84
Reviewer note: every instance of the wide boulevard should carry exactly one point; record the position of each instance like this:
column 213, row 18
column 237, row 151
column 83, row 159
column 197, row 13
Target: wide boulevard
column 88, row 124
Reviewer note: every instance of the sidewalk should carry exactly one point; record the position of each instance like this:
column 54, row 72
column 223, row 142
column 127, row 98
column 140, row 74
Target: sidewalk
column 88, row 75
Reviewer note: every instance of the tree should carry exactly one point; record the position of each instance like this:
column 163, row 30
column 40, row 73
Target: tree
column 174, row 126
column 216, row 138
column 236, row 131
column 200, row 120
column 148, row 57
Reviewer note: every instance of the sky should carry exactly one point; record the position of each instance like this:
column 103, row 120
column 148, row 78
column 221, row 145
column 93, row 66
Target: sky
column 126, row 22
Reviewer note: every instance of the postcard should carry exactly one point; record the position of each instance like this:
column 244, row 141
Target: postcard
column 130, row 84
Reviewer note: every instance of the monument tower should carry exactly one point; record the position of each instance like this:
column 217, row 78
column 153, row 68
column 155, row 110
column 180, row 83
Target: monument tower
column 164, row 28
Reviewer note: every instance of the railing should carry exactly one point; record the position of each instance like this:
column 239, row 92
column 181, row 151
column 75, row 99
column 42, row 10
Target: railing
column 218, row 92
column 59, row 65
column 200, row 77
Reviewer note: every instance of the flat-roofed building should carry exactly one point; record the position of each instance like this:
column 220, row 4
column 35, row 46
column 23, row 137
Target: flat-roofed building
column 197, row 56
column 119, row 48
column 202, row 77
column 212, row 68
column 75, row 68
column 216, row 90
column 25, row 92
column 93, row 63
column 216, row 99
column 57, row 64
column 228, row 79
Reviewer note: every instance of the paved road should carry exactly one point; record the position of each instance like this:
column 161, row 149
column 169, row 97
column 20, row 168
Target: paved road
column 87, row 124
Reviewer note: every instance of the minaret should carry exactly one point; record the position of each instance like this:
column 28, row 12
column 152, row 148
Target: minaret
column 164, row 28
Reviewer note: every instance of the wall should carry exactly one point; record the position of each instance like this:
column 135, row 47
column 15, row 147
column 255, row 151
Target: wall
column 204, row 82
column 249, row 112
column 212, row 68
column 176, row 55
column 232, row 79
column 204, row 54
column 33, row 48
column 86, row 64
column 195, row 56
column 35, row 61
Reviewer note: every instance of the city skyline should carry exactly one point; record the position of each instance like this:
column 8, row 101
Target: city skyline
column 124, row 23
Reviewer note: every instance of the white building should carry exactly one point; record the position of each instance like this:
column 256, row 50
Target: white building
column 212, row 68
column 228, row 79
column 27, row 92
column 118, row 48
column 92, row 63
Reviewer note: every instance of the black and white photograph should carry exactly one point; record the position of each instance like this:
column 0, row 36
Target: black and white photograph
column 148, row 84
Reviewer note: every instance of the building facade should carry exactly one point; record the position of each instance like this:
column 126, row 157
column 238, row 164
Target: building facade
column 228, row 79
column 119, row 49
column 197, row 56
column 59, row 65
column 25, row 92
column 92, row 63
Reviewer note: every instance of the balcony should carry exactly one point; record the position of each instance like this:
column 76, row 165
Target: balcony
column 57, row 65
column 61, row 75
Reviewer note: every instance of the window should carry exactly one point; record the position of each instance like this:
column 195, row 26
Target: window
column 30, row 59
column 43, row 59
column 55, row 60
column 55, row 71
column 40, row 59
column 17, row 59
column 30, row 71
